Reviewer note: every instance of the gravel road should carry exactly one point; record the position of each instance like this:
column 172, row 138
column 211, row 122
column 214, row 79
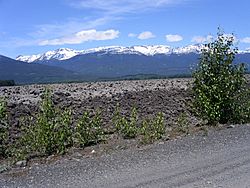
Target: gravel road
column 220, row 159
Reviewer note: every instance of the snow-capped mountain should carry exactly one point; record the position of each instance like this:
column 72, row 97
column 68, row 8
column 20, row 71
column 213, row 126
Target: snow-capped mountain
column 107, row 63
column 189, row 49
column 139, row 50
column 59, row 54
column 66, row 53
column 246, row 51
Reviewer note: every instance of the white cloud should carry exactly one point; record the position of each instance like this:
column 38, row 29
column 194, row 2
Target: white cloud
column 122, row 6
column 202, row 39
column 68, row 27
column 245, row 40
column 132, row 35
column 174, row 38
column 107, row 11
column 40, row 34
column 146, row 35
column 83, row 36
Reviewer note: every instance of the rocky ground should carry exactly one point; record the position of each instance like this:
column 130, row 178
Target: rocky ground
column 169, row 96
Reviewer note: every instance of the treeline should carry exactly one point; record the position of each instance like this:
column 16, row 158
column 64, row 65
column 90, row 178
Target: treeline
column 7, row 83
column 145, row 77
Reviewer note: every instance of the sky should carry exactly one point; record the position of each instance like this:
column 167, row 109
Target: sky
column 36, row 26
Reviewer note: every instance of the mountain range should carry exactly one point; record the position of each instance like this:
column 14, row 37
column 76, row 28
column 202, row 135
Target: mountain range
column 24, row 73
column 104, row 63
column 66, row 53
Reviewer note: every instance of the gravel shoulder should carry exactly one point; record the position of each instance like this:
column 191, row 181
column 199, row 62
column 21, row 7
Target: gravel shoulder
column 220, row 159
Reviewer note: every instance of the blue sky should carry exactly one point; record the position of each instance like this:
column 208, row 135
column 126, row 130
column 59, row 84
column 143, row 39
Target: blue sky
column 36, row 26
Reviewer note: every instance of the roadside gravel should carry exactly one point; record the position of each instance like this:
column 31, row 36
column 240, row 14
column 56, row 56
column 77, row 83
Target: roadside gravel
column 220, row 159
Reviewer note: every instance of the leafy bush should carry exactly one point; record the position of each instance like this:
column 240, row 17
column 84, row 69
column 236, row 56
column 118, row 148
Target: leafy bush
column 182, row 123
column 3, row 113
column 150, row 129
column 219, row 88
column 48, row 132
column 127, row 127
column 3, row 128
column 89, row 130
column 153, row 129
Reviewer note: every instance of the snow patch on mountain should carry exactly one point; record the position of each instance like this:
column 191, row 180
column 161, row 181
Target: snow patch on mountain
column 28, row 58
column 153, row 50
column 188, row 49
column 244, row 51
column 59, row 54
column 140, row 50
column 66, row 53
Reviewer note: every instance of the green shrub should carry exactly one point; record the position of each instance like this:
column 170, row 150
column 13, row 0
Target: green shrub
column 153, row 129
column 47, row 132
column 3, row 129
column 182, row 123
column 127, row 127
column 3, row 111
column 150, row 129
column 89, row 130
column 219, row 88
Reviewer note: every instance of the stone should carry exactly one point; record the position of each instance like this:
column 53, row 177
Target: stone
column 231, row 126
column 77, row 154
column 22, row 163
column 3, row 168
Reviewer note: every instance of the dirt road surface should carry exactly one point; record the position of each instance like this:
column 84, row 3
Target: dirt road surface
column 219, row 159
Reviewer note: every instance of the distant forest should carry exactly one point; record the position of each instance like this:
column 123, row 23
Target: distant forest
column 7, row 83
